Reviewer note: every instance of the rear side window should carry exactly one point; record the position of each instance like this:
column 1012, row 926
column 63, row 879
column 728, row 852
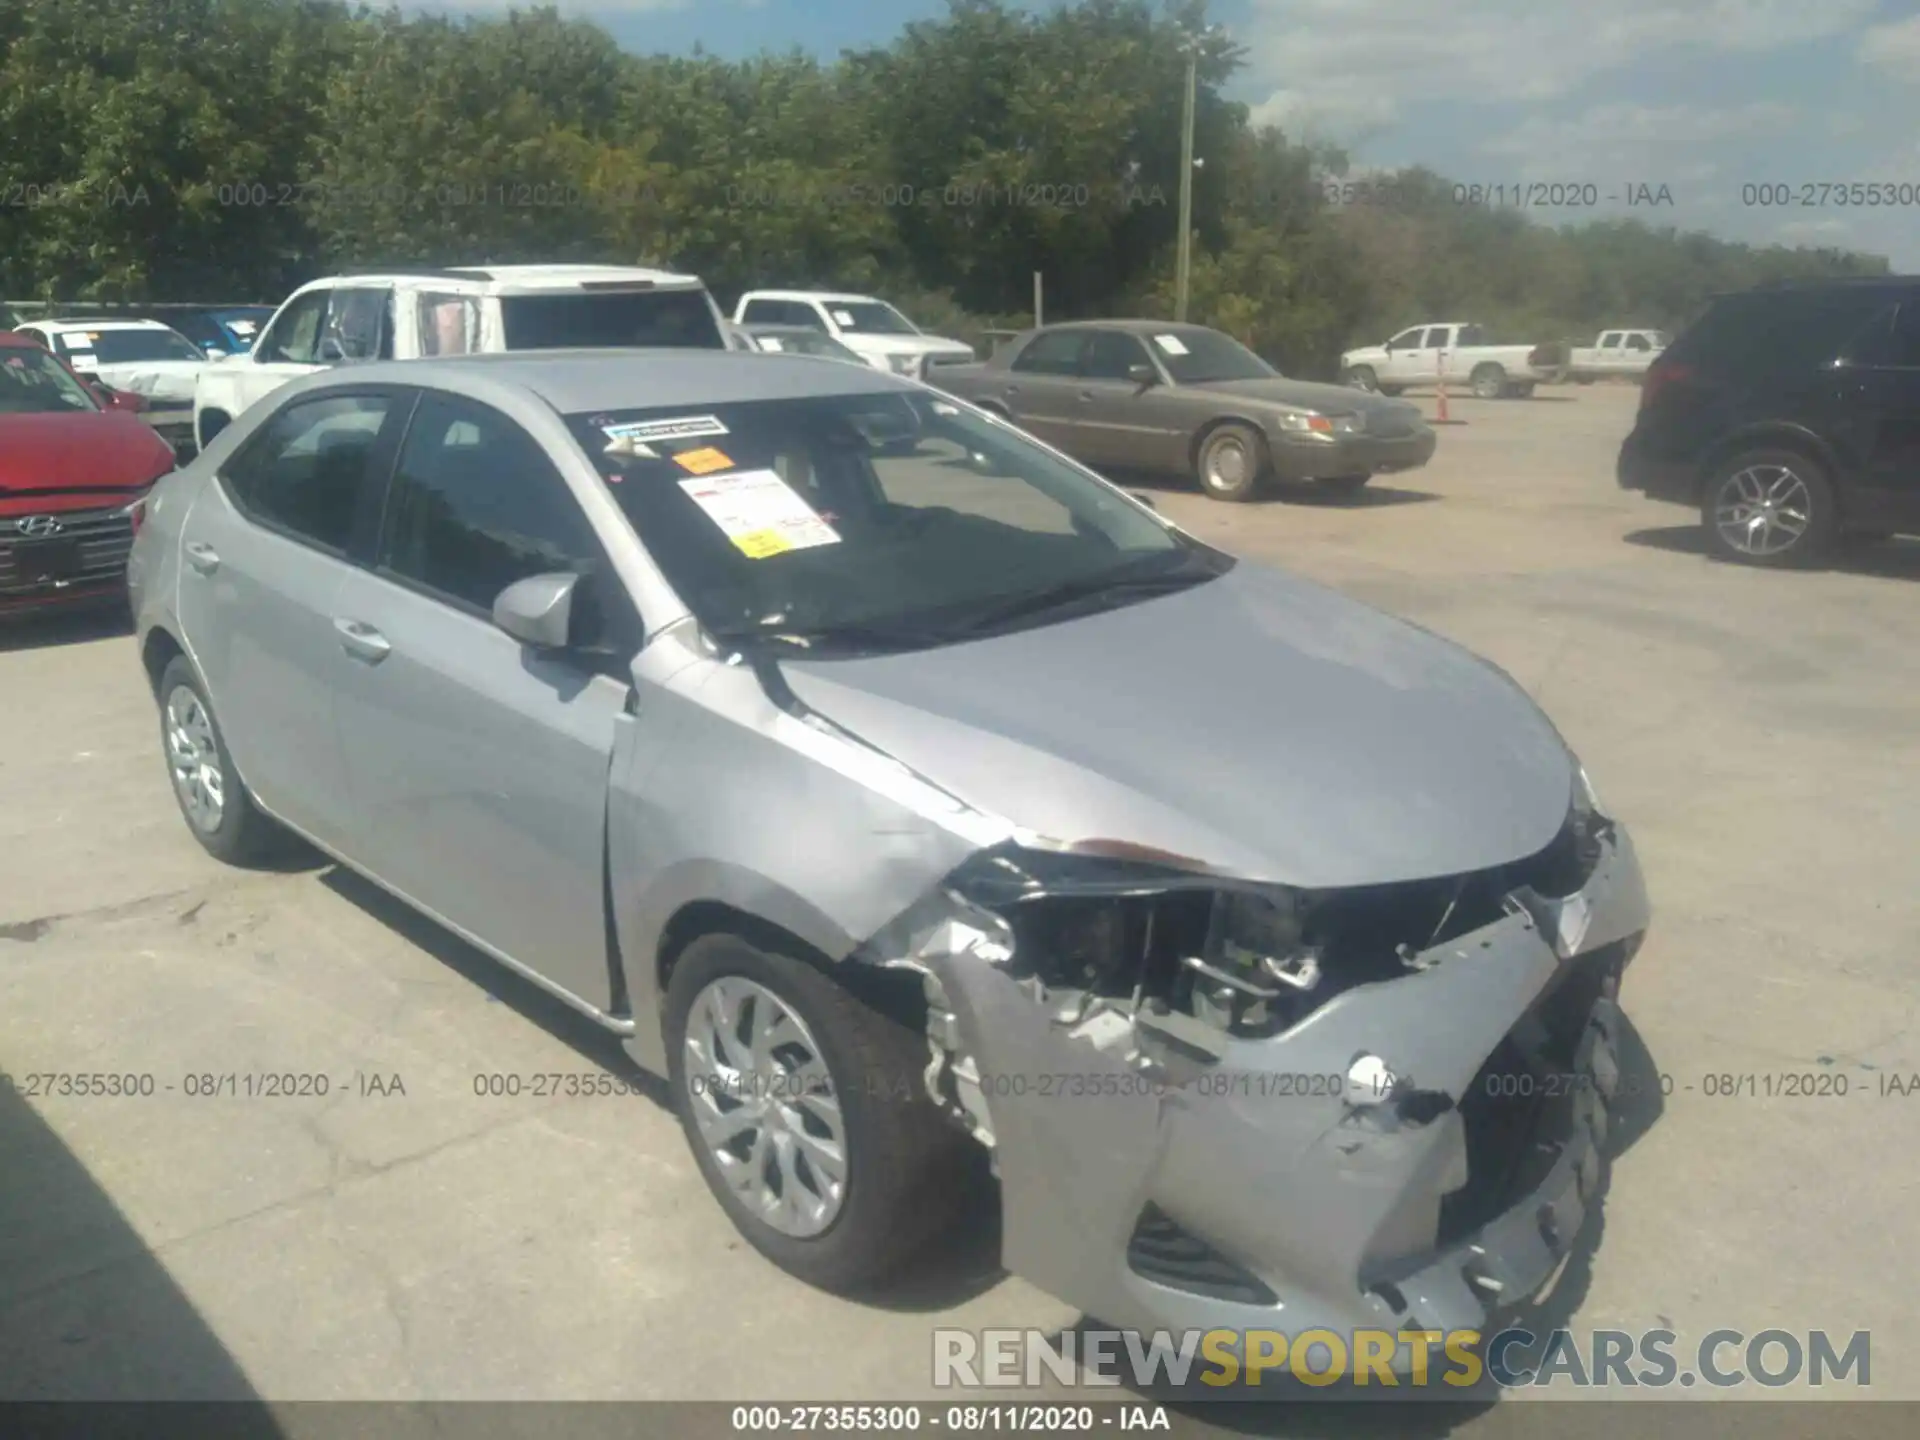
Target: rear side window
column 1057, row 352
column 306, row 470
column 669, row 319
column 1769, row 331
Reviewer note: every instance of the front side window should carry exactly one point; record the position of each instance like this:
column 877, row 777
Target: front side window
column 765, row 312
column 598, row 319
column 875, row 521
column 294, row 336
column 1111, row 355
column 305, row 472
column 1405, row 340
column 32, row 382
column 358, row 326
column 476, row 505
column 1194, row 356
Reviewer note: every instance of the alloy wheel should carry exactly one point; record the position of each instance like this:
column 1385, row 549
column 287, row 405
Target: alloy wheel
column 1763, row 510
column 193, row 757
column 766, row 1106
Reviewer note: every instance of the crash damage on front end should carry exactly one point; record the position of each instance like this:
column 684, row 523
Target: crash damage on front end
column 1214, row 1102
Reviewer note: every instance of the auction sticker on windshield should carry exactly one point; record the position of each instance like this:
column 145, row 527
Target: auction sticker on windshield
column 760, row 513
column 1172, row 344
column 685, row 427
column 703, row 461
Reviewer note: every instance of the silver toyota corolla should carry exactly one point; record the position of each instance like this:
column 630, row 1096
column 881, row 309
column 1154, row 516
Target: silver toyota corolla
column 894, row 786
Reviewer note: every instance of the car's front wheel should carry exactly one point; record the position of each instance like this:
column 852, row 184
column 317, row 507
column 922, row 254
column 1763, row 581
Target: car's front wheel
column 1362, row 377
column 1769, row 507
column 807, row 1114
column 1233, row 462
column 213, row 799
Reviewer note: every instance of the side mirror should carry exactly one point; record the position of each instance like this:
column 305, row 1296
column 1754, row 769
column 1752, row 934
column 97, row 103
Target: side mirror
column 538, row 610
column 1142, row 373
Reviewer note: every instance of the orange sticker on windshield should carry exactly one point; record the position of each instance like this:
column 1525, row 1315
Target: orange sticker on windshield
column 704, row 461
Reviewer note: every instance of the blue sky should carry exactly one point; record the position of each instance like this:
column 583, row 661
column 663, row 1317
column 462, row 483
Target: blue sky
column 1705, row 97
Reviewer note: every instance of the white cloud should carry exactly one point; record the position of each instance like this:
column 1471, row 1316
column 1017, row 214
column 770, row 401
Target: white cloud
column 1319, row 54
column 1653, row 143
column 1893, row 48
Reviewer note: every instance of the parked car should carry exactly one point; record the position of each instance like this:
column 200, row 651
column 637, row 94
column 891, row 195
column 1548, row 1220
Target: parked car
column 73, row 474
column 1421, row 354
column 1615, row 353
column 870, row 327
column 219, row 330
column 351, row 319
column 1787, row 415
column 850, row 790
column 140, row 358
column 143, row 357
column 1183, row 400
column 799, row 340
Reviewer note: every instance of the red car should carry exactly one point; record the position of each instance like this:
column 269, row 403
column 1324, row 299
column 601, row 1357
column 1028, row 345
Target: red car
column 75, row 467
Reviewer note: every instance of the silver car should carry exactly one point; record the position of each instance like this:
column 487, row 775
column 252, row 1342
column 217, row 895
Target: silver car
column 898, row 799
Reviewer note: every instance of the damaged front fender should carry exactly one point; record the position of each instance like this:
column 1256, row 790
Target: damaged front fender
column 1159, row 1173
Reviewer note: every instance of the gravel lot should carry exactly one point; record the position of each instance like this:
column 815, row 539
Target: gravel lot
column 1757, row 731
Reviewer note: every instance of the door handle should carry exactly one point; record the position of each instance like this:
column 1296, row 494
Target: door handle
column 363, row 642
column 201, row 556
column 1086, row 395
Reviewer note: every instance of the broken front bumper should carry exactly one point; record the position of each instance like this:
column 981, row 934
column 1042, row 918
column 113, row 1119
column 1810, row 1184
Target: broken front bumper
column 1254, row 1188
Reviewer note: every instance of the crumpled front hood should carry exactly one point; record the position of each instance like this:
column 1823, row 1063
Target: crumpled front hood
column 1258, row 724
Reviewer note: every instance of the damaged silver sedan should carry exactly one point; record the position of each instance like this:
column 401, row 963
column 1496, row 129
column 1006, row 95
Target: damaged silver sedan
column 897, row 787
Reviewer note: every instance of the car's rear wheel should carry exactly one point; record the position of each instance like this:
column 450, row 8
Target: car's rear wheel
column 1769, row 507
column 807, row 1115
column 1488, row 381
column 1362, row 377
column 1233, row 462
column 213, row 800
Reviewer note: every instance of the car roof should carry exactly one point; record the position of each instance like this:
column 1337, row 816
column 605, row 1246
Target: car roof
column 66, row 324
column 829, row 297
column 754, row 327
column 576, row 382
column 513, row 279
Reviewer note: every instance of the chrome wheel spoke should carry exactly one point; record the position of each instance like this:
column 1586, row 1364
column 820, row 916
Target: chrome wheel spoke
column 766, row 1106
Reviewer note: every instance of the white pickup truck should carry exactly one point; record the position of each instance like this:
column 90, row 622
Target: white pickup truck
column 405, row 315
column 1615, row 352
column 1421, row 354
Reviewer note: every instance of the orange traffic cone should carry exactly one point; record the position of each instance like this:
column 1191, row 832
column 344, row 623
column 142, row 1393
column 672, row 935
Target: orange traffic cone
column 1442, row 418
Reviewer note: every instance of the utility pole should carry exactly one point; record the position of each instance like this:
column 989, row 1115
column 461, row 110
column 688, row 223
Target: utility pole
column 1185, row 271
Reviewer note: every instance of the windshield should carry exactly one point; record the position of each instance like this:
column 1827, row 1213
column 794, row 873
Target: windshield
column 869, row 317
column 85, row 349
column 875, row 522
column 673, row 319
column 1196, row 356
column 243, row 325
column 32, row 382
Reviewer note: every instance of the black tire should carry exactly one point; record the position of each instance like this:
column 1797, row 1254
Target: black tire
column 1362, row 377
column 1804, row 494
column 1343, row 485
column 1488, row 381
column 243, row 835
column 1221, row 477
column 906, row 1163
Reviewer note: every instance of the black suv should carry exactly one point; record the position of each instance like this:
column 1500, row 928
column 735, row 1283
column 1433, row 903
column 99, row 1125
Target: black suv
column 1790, row 415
